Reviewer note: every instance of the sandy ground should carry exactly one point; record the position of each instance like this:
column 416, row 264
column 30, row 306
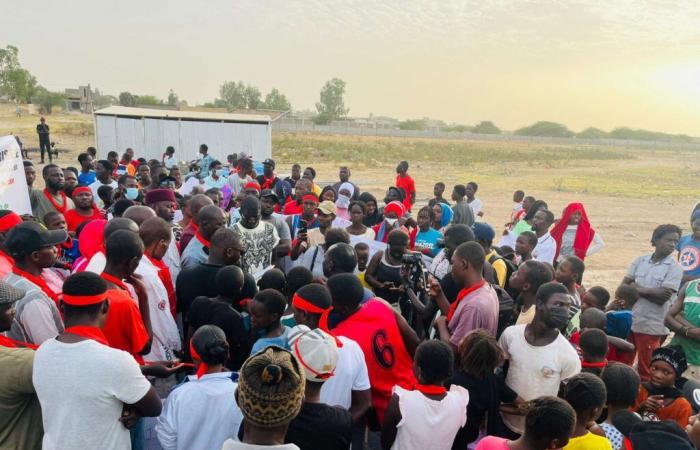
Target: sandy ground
column 625, row 198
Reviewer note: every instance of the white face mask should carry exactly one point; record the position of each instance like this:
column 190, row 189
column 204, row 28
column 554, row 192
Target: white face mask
column 391, row 222
column 343, row 201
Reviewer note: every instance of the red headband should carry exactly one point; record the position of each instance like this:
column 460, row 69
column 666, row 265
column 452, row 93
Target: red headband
column 84, row 300
column 252, row 185
column 310, row 198
column 9, row 221
column 305, row 305
column 80, row 190
column 203, row 367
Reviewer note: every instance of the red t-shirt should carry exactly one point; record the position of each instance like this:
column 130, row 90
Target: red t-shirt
column 124, row 328
column 409, row 187
column 74, row 219
column 613, row 353
column 291, row 208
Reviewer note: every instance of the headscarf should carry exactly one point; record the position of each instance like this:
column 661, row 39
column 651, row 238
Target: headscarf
column 672, row 355
column 446, row 215
column 90, row 242
column 348, row 187
column 584, row 232
column 371, row 220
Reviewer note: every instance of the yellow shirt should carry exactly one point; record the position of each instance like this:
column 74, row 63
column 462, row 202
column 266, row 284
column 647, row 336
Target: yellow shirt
column 588, row 441
column 499, row 266
column 316, row 189
column 525, row 317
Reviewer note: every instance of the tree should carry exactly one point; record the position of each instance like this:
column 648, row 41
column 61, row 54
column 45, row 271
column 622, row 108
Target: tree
column 252, row 96
column 127, row 99
column 15, row 82
column 415, row 124
column 231, row 95
column 9, row 61
column 592, row 133
column 173, row 99
column 100, row 100
column 277, row 100
column 148, row 100
column 47, row 99
column 486, row 127
column 332, row 104
column 547, row 129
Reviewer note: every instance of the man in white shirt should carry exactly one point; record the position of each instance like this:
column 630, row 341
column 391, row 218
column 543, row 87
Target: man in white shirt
column 103, row 175
column 538, row 356
column 88, row 391
column 546, row 247
column 259, row 237
column 474, row 203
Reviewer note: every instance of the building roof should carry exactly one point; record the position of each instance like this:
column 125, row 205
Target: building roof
column 125, row 111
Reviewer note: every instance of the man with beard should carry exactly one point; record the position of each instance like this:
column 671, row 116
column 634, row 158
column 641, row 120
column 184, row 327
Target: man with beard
column 53, row 198
column 85, row 208
column 164, row 203
column 259, row 237
column 268, row 201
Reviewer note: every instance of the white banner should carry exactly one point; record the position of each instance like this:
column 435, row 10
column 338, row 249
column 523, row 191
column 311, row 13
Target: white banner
column 14, row 194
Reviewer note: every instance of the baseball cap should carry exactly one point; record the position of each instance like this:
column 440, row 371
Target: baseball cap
column 327, row 207
column 269, row 162
column 29, row 237
column 268, row 193
column 9, row 294
column 316, row 351
column 483, row 231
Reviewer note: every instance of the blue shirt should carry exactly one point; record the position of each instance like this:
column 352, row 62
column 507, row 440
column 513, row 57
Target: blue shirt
column 689, row 255
column 428, row 239
column 86, row 178
column 619, row 323
column 280, row 341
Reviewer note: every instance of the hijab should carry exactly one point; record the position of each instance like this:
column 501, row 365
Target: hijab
column 446, row 215
column 371, row 220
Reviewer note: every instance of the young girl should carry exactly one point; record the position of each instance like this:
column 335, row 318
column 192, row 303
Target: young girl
column 479, row 355
column 622, row 386
column 585, row 393
column 427, row 237
column 549, row 423
column 524, row 245
column 358, row 211
column 266, row 310
column 430, row 415
column 659, row 398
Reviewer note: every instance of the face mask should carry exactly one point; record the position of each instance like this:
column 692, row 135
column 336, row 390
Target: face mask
column 558, row 317
column 343, row 202
column 132, row 193
column 222, row 172
column 391, row 222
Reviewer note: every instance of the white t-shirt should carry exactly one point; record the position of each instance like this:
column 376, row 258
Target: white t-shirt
column 95, row 186
column 82, row 388
column 237, row 445
column 545, row 249
column 427, row 423
column 200, row 414
column 170, row 162
column 535, row 371
column 476, row 205
column 350, row 375
column 260, row 243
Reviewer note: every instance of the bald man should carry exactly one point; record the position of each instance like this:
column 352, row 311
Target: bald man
column 192, row 208
column 210, row 218
column 139, row 213
column 98, row 260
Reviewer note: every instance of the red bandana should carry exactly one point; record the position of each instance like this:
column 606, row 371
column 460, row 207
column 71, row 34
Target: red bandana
column 594, row 365
column 93, row 333
column 430, row 389
column 39, row 282
column 61, row 209
column 114, row 280
column 11, row 343
column 201, row 239
column 305, row 305
column 462, row 294
column 267, row 182
column 203, row 367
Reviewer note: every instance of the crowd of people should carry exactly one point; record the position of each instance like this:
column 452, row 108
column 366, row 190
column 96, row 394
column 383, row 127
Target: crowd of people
column 244, row 310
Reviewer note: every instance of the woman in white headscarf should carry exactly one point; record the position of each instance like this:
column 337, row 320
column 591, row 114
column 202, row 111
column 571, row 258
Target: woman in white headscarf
column 345, row 193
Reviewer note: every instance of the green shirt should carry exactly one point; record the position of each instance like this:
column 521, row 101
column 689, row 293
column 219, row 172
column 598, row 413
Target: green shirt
column 691, row 312
column 20, row 413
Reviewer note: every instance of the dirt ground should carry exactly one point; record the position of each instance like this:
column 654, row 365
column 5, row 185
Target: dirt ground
column 627, row 191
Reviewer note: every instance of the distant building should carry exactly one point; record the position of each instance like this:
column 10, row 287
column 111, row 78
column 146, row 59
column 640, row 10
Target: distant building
column 79, row 99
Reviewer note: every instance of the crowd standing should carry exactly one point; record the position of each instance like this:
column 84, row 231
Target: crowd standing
column 245, row 310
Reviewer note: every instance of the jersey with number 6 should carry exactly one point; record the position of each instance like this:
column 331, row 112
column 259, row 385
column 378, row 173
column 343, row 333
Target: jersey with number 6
column 375, row 330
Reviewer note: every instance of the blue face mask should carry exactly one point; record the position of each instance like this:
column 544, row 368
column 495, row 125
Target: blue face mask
column 222, row 172
column 132, row 193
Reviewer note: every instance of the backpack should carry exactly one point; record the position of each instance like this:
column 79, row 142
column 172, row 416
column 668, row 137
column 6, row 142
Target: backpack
column 510, row 268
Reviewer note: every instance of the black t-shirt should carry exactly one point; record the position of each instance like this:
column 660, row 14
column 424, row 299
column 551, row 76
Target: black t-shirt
column 485, row 398
column 209, row 311
column 195, row 282
column 320, row 426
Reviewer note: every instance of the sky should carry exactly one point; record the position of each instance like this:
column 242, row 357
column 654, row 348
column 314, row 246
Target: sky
column 579, row 62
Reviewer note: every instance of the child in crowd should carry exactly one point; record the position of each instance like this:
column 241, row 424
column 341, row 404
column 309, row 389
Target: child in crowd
column 362, row 253
column 596, row 297
column 296, row 278
column 438, row 191
column 427, row 237
column 594, row 349
column 479, row 355
column 618, row 349
column 68, row 251
column 430, row 415
column 659, row 398
column 585, row 393
column 620, row 311
column 569, row 272
column 524, row 245
column 622, row 386
column 273, row 279
column 549, row 422
column 266, row 310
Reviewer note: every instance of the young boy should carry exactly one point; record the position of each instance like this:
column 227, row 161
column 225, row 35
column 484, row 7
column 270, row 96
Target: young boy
column 362, row 253
column 618, row 349
column 658, row 398
column 474, row 203
column 428, row 416
column 68, row 251
column 405, row 182
column 438, row 191
column 620, row 311
column 596, row 297
column 527, row 280
column 524, row 245
column 585, row 393
column 594, row 349
column 266, row 310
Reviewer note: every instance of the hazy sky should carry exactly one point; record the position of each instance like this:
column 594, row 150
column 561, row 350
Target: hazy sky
column 581, row 62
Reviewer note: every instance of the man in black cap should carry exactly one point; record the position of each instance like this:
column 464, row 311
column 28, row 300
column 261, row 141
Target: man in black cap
column 20, row 413
column 268, row 179
column 268, row 202
column 33, row 248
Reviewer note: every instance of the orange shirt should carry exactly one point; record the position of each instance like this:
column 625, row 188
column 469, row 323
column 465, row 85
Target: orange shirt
column 409, row 187
column 124, row 328
column 679, row 410
column 74, row 219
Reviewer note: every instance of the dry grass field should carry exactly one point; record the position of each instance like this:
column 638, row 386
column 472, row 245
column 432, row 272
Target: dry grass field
column 627, row 191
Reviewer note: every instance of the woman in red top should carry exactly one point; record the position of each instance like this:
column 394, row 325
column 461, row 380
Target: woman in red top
column 85, row 209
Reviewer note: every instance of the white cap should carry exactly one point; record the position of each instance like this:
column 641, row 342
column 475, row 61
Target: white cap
column 316, row 351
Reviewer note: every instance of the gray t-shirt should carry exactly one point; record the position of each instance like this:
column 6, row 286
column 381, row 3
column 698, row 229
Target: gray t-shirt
column 37, row 318
column 280, row 225
column 647, row 316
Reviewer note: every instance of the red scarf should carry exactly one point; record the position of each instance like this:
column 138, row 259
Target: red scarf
column 61, row 209
column 203, row 367
column 430, row 389
column 93, row 333
column 11, row 343
column 594, row 365
column 584, row 232
column 39, row 282
column 114, row 280
column 201, row 239
column 267, row 182
column 167, row 279
column 461, row 296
